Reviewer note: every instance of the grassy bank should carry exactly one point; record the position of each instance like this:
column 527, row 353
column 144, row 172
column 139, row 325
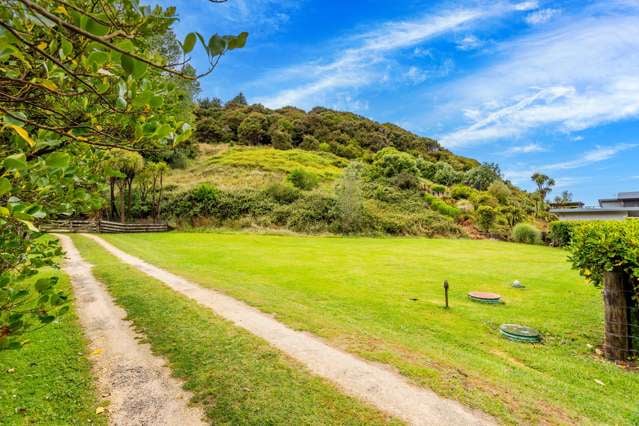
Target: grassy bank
column 382, row 299
column 236, row 377
column 49, row 380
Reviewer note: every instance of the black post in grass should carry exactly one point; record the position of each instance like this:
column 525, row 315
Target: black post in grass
column 446, row 292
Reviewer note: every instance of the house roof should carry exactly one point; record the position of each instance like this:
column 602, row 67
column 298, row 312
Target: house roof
column 596, row 210
column 628, row 195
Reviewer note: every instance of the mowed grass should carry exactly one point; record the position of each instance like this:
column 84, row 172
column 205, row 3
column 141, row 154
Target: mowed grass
column 49, row 380
column 235, row 376
column 357, row 294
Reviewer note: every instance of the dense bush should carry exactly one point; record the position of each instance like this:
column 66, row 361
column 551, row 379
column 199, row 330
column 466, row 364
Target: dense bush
column 442, row 207
column 486, row 217
column 302, row 179
column 461, row 191
column 560, row 233
column 499, row 190
column 482, row 176
column 389, row 162
column 313, row 213
column 526, row 233
column 598, row 247
column 283, row 193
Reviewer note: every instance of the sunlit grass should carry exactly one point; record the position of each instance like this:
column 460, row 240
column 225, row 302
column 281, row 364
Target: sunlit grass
column 358, row 294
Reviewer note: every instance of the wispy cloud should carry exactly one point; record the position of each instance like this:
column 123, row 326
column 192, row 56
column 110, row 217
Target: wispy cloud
column 574, row 77
column 367, row 56
column 525, row 149
column 542, row 16
column 588, row 158
column 469, row 42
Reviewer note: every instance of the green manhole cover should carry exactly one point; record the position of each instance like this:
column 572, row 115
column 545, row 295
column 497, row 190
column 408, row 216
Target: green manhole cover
column 482, row 297
column 520, row 333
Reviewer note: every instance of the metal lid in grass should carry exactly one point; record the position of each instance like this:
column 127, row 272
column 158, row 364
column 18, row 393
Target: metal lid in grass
column 520, row 333
column 483, row 297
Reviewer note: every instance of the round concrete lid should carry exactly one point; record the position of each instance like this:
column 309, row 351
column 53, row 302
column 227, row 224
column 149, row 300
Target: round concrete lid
column 520, row 333
column 480, row 295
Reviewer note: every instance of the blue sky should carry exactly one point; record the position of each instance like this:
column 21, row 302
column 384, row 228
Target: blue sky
column 550, row 86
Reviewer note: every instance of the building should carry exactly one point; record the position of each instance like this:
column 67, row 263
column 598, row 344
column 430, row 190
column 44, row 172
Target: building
column 624, row 206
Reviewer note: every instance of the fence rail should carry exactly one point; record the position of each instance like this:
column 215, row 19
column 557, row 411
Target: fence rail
column 102, row 226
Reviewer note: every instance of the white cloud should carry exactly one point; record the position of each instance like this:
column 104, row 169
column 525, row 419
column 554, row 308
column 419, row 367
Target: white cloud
column 597, row 155
column 541, row 16
column 526, row 5
column 469, row 42
column 416, row 74
column 526, row 149
column 572, row 78
column 365, row 58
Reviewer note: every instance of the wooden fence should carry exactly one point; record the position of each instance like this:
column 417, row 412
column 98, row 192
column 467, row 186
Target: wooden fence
column 102, row 226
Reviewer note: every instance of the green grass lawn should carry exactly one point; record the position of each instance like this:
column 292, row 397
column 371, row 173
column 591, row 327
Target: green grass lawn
column 235, row 376
column 49, row 380
column 356, row 293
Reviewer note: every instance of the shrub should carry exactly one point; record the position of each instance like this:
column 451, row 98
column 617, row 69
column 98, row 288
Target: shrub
column 302, row 179
column 281, row 140
column 252, row 130
column 313, row 213
column 389, row 162
column 310, row 143
column 499, row 190
column 482, row 176
column 598, row 247
column 426, row 168
column 486, row 216
column 440, row 206
column 283, row 193
column 438, row 189
column 445, row 174
column 461, row 191
column 324, row 147
column 560, row 233
column 526, row 233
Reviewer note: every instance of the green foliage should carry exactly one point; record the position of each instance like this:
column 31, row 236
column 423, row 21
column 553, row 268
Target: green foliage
column 252, row 130
column 482, row 176
column 389, row 163
column 350, row 208
column 86, row 82
column 445, row 174
column 499, row 190
column 560, row 232
column 283, row 193
column 526, row 233
column 598, row 247
column 486, row 217
column 442, row 207
column 461, row 192
column 302, row 179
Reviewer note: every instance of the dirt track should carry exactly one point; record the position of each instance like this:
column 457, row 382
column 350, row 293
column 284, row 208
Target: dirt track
column 138, row 385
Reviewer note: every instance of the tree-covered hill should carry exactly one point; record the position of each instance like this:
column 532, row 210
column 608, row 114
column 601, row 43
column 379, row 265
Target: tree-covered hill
column 331, row 171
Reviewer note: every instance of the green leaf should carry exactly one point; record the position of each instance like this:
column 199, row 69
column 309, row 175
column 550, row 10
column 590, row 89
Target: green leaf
column 58, row 160
column 96, row 28
column 5, row 186
column 128, row 64
column 15, row 162
column 43, row 284
column 139, row 69
column 66, row 48
column 23, row 134
column 156, row 101
column 189, row 42
column 97, row 58
column 216, row 45
column 238, row 41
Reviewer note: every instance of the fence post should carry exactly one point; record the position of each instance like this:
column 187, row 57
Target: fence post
column 617, row 337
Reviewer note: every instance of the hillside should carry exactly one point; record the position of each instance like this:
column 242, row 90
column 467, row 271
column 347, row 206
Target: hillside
column 330, row 171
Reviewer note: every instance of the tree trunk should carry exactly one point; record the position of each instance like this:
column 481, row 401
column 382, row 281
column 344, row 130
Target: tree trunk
column 129, row 184
column 122, row 215
column 160, row 198
column 112, row 185
column 617, row 343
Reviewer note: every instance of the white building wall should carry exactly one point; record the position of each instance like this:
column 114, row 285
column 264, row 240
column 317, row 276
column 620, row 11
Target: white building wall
column 595, row 215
